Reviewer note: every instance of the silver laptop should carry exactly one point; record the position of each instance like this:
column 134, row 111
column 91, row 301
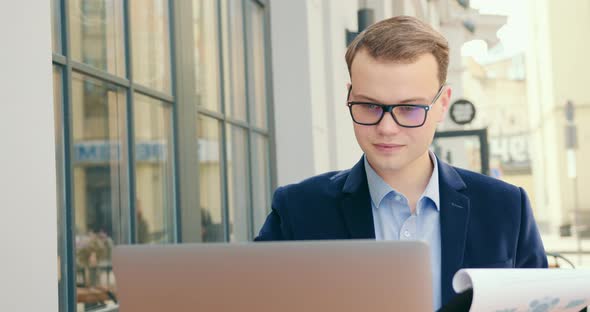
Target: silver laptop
column 295, row 276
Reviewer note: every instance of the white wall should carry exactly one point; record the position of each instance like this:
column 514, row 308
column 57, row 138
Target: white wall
column 333, row 121
column 313, row 128
column 343, row 15
column 28, row 261
column 291, row 90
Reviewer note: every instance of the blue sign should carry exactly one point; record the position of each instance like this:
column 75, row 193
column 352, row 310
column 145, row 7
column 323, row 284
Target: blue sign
column 106, row 151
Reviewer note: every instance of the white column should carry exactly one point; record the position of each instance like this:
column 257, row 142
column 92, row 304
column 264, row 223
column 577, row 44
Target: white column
column 319, row 81
column 28, row 217
column 313, row 127
column 292, row 90
column 342, row 15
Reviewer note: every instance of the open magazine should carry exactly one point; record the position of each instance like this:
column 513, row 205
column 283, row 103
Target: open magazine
column 524, row 290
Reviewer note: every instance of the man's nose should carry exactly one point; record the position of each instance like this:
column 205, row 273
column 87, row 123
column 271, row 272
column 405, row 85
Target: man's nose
column 387, row 125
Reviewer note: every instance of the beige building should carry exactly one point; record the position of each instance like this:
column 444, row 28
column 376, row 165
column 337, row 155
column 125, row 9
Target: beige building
column 557, row 73
column 556, row 70
column 498, row 89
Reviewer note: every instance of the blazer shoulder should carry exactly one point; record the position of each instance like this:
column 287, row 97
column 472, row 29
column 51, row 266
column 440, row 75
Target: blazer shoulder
column 488, row 185
column 326, row 183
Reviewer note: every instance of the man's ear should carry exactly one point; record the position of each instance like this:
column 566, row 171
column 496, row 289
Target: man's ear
column 445, row 101
column 348, row 84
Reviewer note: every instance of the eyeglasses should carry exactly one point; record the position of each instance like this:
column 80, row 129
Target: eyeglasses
column 405, row 115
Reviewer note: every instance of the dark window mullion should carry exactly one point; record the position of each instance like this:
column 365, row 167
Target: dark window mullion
column 261, row 3
column 175, row 138
column 59, row 59
column 262, row 132
column 211, row 114
column 130, row 130
column 224, row 182
column 249, row 173
column 239, row 123
column 222, row 47
column 94, row 72
column 68, row 225
column 249, row 113
column 153, row 93
column 269, row 100
column 223, row 136
column 245, row 30
column 61, row 207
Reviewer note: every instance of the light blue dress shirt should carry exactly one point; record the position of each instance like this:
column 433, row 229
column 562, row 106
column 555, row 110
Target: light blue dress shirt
column 394, row 221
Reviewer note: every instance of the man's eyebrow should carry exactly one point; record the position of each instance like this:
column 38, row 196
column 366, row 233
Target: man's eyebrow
column 410, row 100
column 365, row 97
column 421, row 100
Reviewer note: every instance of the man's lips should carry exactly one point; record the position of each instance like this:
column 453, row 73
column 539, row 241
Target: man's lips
column 388, row 146
column 385, row 145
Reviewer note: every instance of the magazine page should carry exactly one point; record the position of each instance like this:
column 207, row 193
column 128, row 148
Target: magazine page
column 516, row 290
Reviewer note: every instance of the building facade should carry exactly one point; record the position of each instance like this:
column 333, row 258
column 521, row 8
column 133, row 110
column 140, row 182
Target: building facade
column 173, row 121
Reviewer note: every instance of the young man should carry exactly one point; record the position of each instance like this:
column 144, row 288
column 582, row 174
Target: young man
column 399, row 190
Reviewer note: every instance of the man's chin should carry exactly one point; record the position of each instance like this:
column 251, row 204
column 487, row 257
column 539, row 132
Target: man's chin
column 388, row 165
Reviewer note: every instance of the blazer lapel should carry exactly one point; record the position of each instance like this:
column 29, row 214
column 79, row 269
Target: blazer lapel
column 356, row 204
column 454, row 218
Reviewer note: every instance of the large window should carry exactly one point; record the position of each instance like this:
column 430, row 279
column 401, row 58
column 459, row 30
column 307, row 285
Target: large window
column 125, row 148
column 232, row 117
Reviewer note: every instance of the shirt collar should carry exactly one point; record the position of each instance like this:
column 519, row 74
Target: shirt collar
column 378, row 188
column 432, row 190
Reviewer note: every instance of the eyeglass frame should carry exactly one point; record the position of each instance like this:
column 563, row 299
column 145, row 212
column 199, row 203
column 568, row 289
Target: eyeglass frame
column 388, row 108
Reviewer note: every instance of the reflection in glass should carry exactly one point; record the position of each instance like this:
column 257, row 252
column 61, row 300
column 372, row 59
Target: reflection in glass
column 154, row 175
column 150, row 41
column 59, row 166
column 206, row 54
column 96, row 34
column 238, row 183
column 209, row 134
column 260, row 180
column 463, row 152
column 56, row 25
column 233, row 58
column 257, row 65
column 99, row 184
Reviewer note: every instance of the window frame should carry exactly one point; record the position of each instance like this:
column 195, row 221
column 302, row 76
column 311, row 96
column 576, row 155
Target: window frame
column 184, row 120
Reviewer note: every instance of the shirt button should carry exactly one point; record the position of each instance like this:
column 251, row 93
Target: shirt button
column 406, row 233
column 398, row 198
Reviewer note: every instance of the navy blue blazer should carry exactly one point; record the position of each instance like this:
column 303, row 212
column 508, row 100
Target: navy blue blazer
column 484, row 222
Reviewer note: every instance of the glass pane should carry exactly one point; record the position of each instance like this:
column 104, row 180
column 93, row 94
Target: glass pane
column 238, row 182
column 210, row 192
column 234, row 59
column 96, row 34
column 463, row 152
column 257, row 65
column 154, row 170
column 151, row 43
column 260, row 180
column 99, row 184
column 206, row 54
column 60, row 189
column 56, row 25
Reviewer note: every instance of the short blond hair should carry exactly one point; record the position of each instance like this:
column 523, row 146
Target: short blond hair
column 401, row 39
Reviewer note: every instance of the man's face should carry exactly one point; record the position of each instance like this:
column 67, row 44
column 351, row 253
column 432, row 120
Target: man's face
column 388, row 146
